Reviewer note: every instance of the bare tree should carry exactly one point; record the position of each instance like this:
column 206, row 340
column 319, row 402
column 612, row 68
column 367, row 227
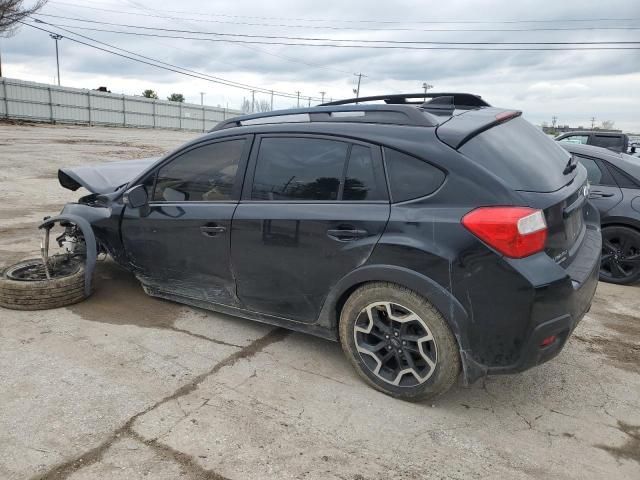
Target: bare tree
column 263, row 106
column 607, row 125
column 245, row 107
column 14, row 11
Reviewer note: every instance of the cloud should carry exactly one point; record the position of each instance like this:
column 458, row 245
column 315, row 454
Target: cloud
column 583, row 83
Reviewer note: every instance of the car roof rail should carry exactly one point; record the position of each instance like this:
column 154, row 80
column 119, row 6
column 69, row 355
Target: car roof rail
column 459, row 100
column 390, row 114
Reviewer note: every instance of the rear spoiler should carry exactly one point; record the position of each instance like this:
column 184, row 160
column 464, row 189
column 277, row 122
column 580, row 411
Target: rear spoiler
column 459, row 129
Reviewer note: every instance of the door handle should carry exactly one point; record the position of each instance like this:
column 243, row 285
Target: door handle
column 212, row 231
column 346, row 234
column 599, row 194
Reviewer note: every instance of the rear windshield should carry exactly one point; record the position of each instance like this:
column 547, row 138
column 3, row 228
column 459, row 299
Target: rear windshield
column 521, row 155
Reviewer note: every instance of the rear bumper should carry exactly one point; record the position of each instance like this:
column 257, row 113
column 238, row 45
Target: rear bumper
column 556, row 308
column 561, row 327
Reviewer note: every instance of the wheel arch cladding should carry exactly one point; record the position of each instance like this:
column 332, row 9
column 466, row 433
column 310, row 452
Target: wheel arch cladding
column 447, row 305
column 89, row 238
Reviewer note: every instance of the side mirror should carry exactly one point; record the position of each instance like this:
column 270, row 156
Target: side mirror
column 136, row 197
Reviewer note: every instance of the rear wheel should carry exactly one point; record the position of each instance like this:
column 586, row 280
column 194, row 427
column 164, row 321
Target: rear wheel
column 25, row 286
column 620, row 255
column 398, row 342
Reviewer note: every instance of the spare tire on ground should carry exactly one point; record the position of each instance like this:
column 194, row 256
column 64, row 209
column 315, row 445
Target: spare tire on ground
column 25, row 286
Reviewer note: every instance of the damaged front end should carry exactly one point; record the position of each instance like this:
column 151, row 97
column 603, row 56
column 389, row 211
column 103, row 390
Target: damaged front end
column 91, row 224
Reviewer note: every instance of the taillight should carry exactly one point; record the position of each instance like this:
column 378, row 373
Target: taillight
column 515, row 232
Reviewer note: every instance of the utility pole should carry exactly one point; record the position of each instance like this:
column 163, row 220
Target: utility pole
column 322, row 95
column 272, row 100
column 309, row 101
column 593, row 122
column 554, row 119
column 357, row 90
column 253, row 101
column 298, row 93
column 57, row 37
column 426, row 87
column 202, row 99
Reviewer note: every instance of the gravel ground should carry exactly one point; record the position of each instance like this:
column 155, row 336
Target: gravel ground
column 124, row 386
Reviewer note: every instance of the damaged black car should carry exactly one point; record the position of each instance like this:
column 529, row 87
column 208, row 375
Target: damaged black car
column 431, row 238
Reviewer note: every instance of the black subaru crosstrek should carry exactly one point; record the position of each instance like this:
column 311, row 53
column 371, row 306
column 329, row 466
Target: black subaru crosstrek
column 429, row 237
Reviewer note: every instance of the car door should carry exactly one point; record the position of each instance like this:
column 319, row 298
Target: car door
column 179, row 243
column 312, row 210
column 605, row 193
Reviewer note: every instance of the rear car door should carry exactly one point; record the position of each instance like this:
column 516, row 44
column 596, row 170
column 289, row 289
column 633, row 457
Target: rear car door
column 605, row 193
column 312, row 209
column 180, row 243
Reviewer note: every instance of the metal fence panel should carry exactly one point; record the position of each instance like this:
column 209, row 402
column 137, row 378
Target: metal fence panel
column 50, row 103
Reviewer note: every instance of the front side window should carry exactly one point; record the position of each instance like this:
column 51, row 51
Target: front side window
column 202, row 174
column 594, row 174
column 581, row 139
column 299, row 169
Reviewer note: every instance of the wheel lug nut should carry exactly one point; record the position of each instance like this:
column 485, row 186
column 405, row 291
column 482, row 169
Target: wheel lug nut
column 400, row 351
column 389, row 347
column 396, row 334
column 404, row 343
column 387, row 337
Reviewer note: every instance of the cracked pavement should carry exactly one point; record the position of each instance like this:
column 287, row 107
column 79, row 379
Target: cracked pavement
column 125, row 386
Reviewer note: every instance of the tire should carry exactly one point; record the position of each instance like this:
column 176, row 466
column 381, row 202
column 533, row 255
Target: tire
column 620, row 262
column 419, row 321
column 65, row 288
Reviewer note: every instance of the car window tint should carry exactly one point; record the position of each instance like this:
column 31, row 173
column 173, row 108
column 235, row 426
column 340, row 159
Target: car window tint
column 205, row 173
column 622, row 179
column 364, row 180
column 594, row 174
column 410, row 177
column 299, row 169
column 607, row 141
column 582, row 139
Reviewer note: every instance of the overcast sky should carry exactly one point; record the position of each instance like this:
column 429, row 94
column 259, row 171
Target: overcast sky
column 571, row 85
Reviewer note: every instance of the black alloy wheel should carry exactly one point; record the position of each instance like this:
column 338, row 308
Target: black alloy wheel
column 620, row 261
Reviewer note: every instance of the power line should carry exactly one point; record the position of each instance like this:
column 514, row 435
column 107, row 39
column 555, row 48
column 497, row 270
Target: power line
column 169, row 67
column 258, row 49
column 334, row 27
column 369, row 46
column 344, row 40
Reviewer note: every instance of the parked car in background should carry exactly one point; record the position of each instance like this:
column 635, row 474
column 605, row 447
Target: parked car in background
column 614, row 141
column 429, row 238
column 615, row 191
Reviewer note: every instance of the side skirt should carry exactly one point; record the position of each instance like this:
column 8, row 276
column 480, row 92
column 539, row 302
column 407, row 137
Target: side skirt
column 310, row 328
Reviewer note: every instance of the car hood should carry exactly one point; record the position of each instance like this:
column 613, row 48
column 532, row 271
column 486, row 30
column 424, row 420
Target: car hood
column 103, row 178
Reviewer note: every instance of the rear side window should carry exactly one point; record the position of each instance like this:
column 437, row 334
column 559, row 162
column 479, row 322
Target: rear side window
column 410, row 177
column 521, row 155
column 607, row 141
column 299, row 169
column 364, row 179
column 202, row 174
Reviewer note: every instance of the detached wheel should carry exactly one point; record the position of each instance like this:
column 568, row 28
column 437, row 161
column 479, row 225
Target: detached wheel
column 620, row 261
column 398, row 342
column 24, row 286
